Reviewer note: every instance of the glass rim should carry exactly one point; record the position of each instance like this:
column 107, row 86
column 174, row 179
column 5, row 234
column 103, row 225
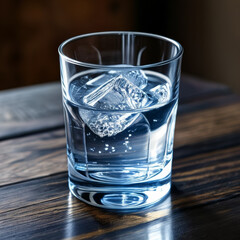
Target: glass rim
column 91, row 65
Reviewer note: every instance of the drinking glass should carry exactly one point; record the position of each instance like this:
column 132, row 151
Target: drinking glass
column 120, row 99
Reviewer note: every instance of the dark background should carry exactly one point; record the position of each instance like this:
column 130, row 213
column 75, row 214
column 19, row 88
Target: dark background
column 31, row 31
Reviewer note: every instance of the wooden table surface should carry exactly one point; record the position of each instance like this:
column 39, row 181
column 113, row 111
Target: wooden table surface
column 204, row 203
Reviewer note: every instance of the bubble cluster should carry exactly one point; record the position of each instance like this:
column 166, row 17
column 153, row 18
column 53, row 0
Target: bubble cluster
column 127, row 143
column 107, row 124
column 107, row 106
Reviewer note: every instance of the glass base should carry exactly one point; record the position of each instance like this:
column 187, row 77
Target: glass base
column 121, row 198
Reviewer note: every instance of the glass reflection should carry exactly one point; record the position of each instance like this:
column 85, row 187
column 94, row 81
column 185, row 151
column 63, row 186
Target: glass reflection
column 69, row 227
column 161, row 229
column 86, row 221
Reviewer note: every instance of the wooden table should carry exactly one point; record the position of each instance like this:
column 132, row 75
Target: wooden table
column 35, row 202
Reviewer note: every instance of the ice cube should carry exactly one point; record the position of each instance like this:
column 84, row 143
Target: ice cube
column 98, row 93
column 137, row 77
column 84, row 86
column 118, row 93
column 117, row 90
column 161, row 92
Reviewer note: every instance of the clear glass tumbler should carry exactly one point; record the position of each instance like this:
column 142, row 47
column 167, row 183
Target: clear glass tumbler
column 120, row 98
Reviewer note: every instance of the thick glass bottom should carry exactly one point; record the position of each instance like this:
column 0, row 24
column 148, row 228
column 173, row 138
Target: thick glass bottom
column 121, row 198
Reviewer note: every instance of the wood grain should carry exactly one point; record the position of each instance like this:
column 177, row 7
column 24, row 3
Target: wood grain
column 66, row 217
column 36, row 203
column 206, row 124
column 35, row 191
column 199, row 180
column 31, row 157
column 206, row 222
column 30, row 109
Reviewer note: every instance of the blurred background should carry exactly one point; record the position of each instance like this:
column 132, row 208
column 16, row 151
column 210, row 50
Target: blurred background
column 31, row 31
